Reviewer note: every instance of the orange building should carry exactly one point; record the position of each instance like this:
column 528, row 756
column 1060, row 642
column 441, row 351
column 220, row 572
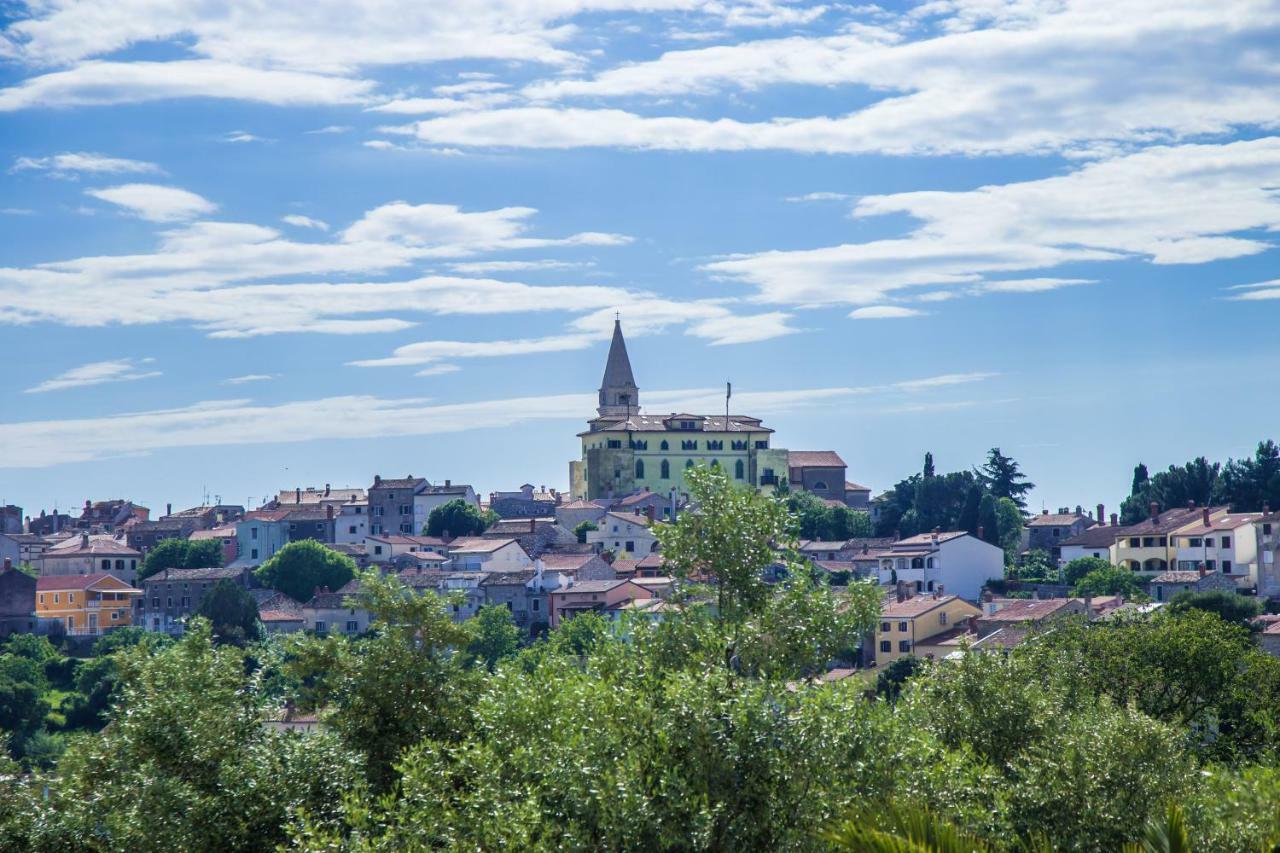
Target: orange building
column 86, row 605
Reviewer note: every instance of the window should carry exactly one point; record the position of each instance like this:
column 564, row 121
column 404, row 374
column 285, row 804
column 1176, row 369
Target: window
column 1266, row 530
column 639, row 469
column 819, row 486
column 186, row 601
column 42, row 598
column 1148, row 542
column 352, row 626
column 904, row 645
column 739, row 470
column 630, row 547
column 689, row 445
column 762, row 445
column 119, row 565
column 320, row 627
column 917, row 562
column 168, row 602
column 535, row 605
column 253, row 533
column 351, row 529
column 106, row 565
column 885, row 627
column 715, row 445
column 928, row 563
column 614, row 444
column 886, row 646
column 1226, row 542
column 686, row 425
column 664, row 445
column 1056, row 532
column 1195, row 542
column 115, row 614
column 155, row 602
column 1135, row 543
column 737, row 445
column 253, row 554
column 1226, row 567
column 665, row 469
column 55, row 598
column 902, row 627
column 688, row 463
column 377, row 549
column 942, row 618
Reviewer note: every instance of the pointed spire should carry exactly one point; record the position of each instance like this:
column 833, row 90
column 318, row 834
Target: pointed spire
column 618, row 392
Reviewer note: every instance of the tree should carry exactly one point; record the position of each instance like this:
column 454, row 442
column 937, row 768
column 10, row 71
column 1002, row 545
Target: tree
column 582, row 529
column 890, row 681
column 1038, row 566
column 1076, row 569
column 1009, row 520
column 232, row 612
column 495, row 636
column 728, row 536
column 1109, row 581
column 988, row 520
column 1229, row 606
column 300, row 568
column 1247, row 484
column 1003, row 479
column 456, row 518
column 181, row 554
column 1141, row 479
column 968, row 519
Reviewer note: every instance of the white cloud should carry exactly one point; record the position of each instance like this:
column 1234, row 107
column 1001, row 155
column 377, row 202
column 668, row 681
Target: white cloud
column 438, row 370
column 486, row 267
column 154, row 202
column 74, row 162
column 819, row 196
column 225, row 423
column 242, row 136
column 440, row 225
column 1164, row 205
column 300, row 221
column 97, row 373
column 330, row 129
column 249, row 377
column 1264, row 290
column 101, row 83
column 17, row 211
column 883, row 312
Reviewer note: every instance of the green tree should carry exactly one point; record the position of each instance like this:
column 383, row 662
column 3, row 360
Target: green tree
column 728, row 536
column 1109, row 581
column 582, row 529
column 181, row 554
column 495, row 636
column 1076, row 569
column 989, row 520
column 1229, row 606
column 300, row 568
column 456, row 518
column 1009, row 521
column 890, row 681
column 968, row 519
column 232, row 613
column 1247, row 484
column 1003, row 478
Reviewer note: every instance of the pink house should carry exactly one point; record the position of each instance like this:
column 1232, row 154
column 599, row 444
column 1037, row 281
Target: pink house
column 224, row 535
column 586, row 596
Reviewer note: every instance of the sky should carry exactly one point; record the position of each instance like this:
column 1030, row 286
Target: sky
column 246, row 247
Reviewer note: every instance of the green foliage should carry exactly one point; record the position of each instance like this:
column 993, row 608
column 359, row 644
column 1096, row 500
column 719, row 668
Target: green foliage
column 300, row 568
column 232, row 613
column 1038, row 566
column 1004, row 479
column 1075, row 570
column 181, row 554
column 816, row 520
column 457, row 518
column 891, row 679
column 1229, row 606
column 1009, row 521
column 495, row 636
column 1243, row 484
column 899, row 829
column 582, row 529
column 989, row 520
column 1109, row 581
column 927, row 500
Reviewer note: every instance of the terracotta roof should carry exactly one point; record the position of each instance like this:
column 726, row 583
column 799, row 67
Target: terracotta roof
column 1179, row 577
column 519, row 578
column 850, row 486
column 280, row 615
column 401, row 539
column 833, row 565
column 642, row 520
column 814, row 459
column 1017, row 610
column 591, row 586
column 1098, row 536
column 227, row 531
column 478, row 545
column 405, row 483
column 210, row 573
column 821, row 545
column 560, row 562
column 581, row 504
column 1230, row 521
column 651, row 561
column 1057, row 519
column 55, row 582
column 266, row 514
column 1005, row 637
column 927, row 538
column 328, row 601
column 914, row 606
column 1273, row 629
column 96, row 547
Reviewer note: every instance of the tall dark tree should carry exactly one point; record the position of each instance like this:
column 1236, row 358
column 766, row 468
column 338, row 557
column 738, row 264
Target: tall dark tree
column 928, row 465
column 1004, row 479
column 968, row 520
column 1140, row 479
column 232, row 612
column 1247, row 484
column 989, row 519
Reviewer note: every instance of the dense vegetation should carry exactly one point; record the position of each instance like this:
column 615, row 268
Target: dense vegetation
column 706, row 730
column 1243, row 484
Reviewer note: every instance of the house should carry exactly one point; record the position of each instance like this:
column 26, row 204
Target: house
column 833, row 550
column 1150, row 545
column 85, row 555
column 173, row 596
column 225, row 536
column 648, row 502
column 420, row 561
column 1166, row 585
column 955, row 559
column 110, row 516
column 998, row 613
column 583, row 596
column 206, row 517
column 10, row 519
column 311, row 497
column 535, row 535
column 466, row 592
column 516, row 591
column 857, row 496
column 1225, row 543
column 17, row 601
column 260, row 535
column 334, row 613
column 144, row 535
column 316, row 523
column 583, row 567
column 1269, row 639
column 569, row 515
column 527, row 502
column 1267, row 534
column 1047, row 531
column 49, row 524
column 278, row 613
column 10, row 549
column 624, row 535
column 820, row 472
column 386, row 548
column 351, row 527
column 433, row 495
column 916, row 624
column 475, row 553
column 86, row 605
column 1096, row 541
column 624, row 450
column 391, row 509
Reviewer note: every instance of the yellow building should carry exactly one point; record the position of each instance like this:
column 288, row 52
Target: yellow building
column 1150, row 545
column 915, row 625
column 86, row 605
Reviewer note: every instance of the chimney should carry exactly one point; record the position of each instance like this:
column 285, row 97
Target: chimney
column 941, row 590
column 377, row 479
column 1155, row 512
column 448, row 483
column 328, row 511
column 1102, row 517
column 168, row 509
column 1203, row 570
column 8, row 564
column 1115, row 520
column 981, row 531
column 1044, row 512
column 1079, row 510
column 326, row 490
column 1266, row 507
column 1204, row 516
column 649, row 513
column 901, row 591
column 973, row 624
column 84, row 540
column 1191, row 504
column 1088, row 606
column 989, row 605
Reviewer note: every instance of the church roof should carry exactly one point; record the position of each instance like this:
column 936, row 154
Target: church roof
column 660, row 423
column 617, row 369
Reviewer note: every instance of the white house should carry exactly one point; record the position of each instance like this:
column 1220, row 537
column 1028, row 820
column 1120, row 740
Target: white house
column 427, row 497
column 474, row 554
column 334, row 613
column 1094, row 541
column 955, row 561
column 386, row 547
column 1226, row 543
column 623, row 534
column 352, row 524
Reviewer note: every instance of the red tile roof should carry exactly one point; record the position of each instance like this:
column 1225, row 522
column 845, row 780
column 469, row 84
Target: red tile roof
column 55, row 582
column 814, row 459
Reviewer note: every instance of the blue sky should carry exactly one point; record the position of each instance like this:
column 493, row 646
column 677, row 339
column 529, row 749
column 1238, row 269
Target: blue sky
column 242, row 250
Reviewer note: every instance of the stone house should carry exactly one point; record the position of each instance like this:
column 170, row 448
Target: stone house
column 821, row 472
column 171, row 597
column 85, row 555
column 1047, row 531
column 1164, row 586
column 17, row 601
column 591, row 596
column 334, row 613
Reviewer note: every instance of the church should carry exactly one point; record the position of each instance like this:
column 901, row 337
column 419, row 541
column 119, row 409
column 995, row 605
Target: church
column 625, row 451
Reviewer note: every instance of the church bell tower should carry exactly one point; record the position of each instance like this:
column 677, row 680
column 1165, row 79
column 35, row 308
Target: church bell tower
column 619, row 396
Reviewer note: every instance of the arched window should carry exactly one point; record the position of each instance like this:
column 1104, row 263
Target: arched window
column 929, row 586
column 919, row 586
column 928, row 564
column 665, row 446
column 739, row 470
column 917, row 562
column 715, row 463
column 639, row 469
column 819, row 486
column 666, row 469
column 688, row 463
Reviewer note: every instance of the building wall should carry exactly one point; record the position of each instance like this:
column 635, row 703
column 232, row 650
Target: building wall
column 124, row 568
column 917, row 630
column 336, row 619
column 17, row 602
column 78, row 614
column 615, row 535
column 826, row 483
column 618, row 471
column 257, row 540
column 508, row 558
